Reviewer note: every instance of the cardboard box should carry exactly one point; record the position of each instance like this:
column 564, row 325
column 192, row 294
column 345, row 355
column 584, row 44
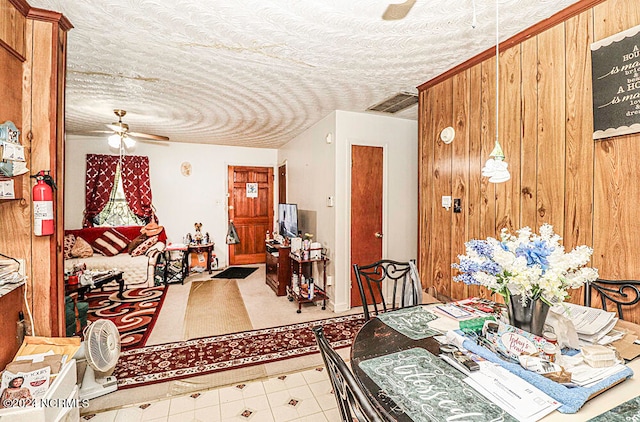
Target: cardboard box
column 33, row 345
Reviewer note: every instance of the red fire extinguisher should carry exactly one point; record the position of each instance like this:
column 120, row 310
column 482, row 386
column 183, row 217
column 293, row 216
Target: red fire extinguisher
column 43, row 204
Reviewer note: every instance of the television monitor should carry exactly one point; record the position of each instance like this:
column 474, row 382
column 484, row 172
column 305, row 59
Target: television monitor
column 288, row 220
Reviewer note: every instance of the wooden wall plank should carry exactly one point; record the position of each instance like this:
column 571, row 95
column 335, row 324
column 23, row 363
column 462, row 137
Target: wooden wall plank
column 460, row 172
column 425, row 169
column 551, row 134
column 487, row 140
column 475, row 160
column 40, row 251
column 578, row 229
column 441, row 227
column 529, row 128
column 508, row 194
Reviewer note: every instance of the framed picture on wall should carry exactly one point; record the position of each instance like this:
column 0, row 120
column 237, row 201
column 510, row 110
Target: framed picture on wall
column 616, row 84
column 252, row 190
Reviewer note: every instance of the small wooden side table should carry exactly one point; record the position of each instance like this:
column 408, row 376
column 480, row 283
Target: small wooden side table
column 202, row 248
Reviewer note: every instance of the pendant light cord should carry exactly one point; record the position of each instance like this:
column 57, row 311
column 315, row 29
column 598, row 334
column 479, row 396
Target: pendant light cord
column 497, row 70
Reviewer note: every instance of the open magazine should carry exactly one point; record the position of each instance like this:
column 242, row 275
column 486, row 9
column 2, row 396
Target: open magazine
column 472, row 307
column 23, row 389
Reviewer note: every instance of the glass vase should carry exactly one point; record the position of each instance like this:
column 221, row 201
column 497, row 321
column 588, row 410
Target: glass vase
column 529, row 318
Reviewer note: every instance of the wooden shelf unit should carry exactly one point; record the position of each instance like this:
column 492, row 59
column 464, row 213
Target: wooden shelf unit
column 278, row 268
column 17, row 187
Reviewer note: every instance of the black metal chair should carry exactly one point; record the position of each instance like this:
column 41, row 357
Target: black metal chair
column 353, row 403
column 625, row 293
column 404, row 278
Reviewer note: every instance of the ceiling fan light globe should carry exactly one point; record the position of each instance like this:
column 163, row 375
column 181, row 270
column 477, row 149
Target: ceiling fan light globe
column 129, row 143
column 114, row 141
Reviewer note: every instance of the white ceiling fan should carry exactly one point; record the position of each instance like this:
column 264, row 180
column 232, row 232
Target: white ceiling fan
column 121, row 136
column 398, row 11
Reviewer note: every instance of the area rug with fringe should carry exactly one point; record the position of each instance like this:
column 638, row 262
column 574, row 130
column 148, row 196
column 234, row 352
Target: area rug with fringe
column 167, row 362
column 134, row 314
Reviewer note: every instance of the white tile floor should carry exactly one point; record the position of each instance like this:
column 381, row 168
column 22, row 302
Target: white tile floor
column 299, row 396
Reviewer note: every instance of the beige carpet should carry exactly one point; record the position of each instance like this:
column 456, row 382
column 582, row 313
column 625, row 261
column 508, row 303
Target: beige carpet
column 206, row 316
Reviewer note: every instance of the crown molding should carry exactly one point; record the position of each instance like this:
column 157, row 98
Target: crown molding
column 50, row 16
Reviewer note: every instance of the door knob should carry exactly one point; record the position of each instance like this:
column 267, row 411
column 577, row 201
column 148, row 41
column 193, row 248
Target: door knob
column 379, row 235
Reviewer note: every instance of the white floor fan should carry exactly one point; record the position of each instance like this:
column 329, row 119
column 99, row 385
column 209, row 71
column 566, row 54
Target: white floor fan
column 101, row 349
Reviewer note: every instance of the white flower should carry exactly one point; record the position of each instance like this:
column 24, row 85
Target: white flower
column 528, row 264
column 546, row 231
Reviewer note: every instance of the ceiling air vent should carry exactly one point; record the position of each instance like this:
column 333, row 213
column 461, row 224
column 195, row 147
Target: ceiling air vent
column 397, row 103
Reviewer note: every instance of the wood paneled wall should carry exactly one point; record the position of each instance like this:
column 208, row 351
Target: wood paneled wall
column 32, row 75
column 587, row 190
column 14, row 214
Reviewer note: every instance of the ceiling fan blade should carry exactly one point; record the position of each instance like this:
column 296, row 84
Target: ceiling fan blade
column 398, row 11
column 117, row 128
column 91, row 133
column 148, row 136
column 153, row 141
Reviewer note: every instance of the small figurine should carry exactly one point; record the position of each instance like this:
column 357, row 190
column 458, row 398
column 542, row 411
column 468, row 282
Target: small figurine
column 206, row 238
column 198, row 234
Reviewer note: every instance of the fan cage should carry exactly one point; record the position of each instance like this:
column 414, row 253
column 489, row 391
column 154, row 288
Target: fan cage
column 102, row 343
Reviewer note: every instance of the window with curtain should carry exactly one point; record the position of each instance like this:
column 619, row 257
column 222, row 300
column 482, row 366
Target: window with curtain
column 117, row 211
column 118, row 191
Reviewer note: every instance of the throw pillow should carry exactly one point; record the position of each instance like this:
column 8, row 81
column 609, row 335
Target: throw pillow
column 69, row 241
column 81, row 249
column 136, row 242
column 145, row 246
column 110, row 243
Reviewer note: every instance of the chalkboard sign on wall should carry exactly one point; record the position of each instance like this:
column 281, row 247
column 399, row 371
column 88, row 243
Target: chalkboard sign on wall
column 616, row 84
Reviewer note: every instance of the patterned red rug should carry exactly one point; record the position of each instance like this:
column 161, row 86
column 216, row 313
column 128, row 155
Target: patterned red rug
column 134, row 315
column 166, row 362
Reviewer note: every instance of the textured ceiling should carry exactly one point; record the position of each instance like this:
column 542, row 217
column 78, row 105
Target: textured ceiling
column 259, row 72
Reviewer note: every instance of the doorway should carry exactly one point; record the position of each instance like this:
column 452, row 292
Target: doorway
column 251, row 211
column 367, row 166
column 282, row 183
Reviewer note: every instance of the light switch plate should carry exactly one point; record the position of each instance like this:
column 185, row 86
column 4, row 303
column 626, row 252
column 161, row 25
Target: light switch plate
column 330, row 201
column 446, row 202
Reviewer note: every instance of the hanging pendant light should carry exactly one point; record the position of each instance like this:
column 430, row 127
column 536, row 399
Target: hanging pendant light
column 496, row 168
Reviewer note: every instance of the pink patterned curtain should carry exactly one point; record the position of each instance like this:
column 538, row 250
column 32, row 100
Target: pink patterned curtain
column 137, row 186
column 100, row 177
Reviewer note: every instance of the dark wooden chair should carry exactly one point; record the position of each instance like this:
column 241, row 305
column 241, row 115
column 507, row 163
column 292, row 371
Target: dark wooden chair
column 620, row 292
column 405, row 282
column 353, row 403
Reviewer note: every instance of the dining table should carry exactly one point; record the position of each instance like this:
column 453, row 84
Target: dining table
column 377, row 339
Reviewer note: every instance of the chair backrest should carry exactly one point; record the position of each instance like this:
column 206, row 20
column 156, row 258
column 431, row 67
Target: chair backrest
column 403, row 280
column 625, row 293
column 353, row 403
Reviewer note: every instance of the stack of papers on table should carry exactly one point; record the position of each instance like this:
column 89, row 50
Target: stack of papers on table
column 584, row 375
column 591, row 324
column 520, row 399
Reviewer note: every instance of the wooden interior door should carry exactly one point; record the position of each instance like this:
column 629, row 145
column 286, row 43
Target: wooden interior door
column 366, row 210
column 282, row 184
column 252, row 216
